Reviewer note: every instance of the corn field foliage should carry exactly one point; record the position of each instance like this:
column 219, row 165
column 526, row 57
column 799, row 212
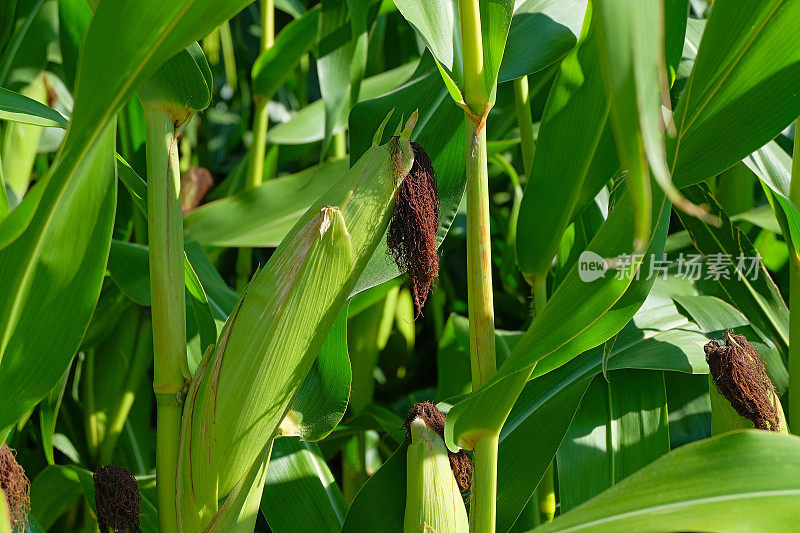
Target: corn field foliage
column 399, row 265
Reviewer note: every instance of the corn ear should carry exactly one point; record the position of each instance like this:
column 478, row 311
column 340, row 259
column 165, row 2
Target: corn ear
column 724, row 417
column 433, row 500
column 245, row 385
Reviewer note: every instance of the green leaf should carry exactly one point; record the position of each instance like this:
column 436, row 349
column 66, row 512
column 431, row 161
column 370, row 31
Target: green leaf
column 275, row 64
column 541, row 33
column 742, row 87
column 307, row 125
column 263, row 215
column 740, row 481
column 759, row 298
column 437, row 23
column 620, row 427
column 333, row 64
column 300, row 493
column 54, row 491
column 322, row 399
column 576, row 113
column 19, row 108
column 51, row 277
column 381, row 502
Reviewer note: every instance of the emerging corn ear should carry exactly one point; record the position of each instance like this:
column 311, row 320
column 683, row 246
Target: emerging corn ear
column 245, row 385
column 742, row 395
column 433, row 496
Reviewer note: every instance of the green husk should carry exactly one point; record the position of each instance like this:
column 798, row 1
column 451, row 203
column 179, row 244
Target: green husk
column 433, row 499
column 245, row 385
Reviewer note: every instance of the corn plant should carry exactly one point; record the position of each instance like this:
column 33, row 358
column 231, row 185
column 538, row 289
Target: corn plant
column 440, row 265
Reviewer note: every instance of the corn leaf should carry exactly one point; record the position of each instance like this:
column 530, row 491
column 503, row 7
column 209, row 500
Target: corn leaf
column 754, row 485
column 16, row 107
column 308, row 125
column 577, row 113
column 548, row 27
column 620, row 427
column 261, row 216
column 300, row 493
column 753, row 293
column 743, row 81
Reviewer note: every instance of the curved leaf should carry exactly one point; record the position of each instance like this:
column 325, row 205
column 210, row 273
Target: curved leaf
column 743, row 481
column 548, row 28
column 742, row 87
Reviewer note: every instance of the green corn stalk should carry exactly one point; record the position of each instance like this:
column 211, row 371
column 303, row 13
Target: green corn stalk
column 433, row 501
column 244, row 386
column 178, row 89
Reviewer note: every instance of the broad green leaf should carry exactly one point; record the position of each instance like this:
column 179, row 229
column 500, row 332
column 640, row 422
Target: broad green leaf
column 307, row 125
column 16, row 107
column 620, row 427
column 576, row 113
column 741, row 88
column 749, row 287
column 300, row 493
column 51, row 277
column 261, row 216
column 541, row 33
column 335, row 54
column 73, row 19
column 437, row 23
column 275, row 64
column 741, row 481
column 320, row 403
column 423, row 92
column 381, row 502
column 54, row 491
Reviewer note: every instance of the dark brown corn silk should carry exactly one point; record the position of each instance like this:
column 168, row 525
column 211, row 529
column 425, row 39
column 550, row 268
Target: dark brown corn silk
column 117, row 498
column 460, row 463
column 412, row 231
column 15, row 486
column 741, row 377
